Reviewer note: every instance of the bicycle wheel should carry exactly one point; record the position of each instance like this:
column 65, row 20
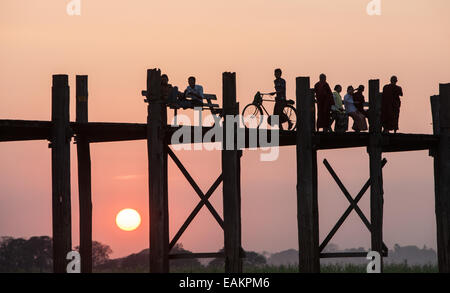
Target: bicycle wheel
column 252, row 116
column 290, row 118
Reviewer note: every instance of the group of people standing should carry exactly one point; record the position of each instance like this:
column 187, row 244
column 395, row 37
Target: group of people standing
column 332, row 108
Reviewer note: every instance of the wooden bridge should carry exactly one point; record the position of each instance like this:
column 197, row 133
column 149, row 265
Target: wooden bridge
column 60, row 131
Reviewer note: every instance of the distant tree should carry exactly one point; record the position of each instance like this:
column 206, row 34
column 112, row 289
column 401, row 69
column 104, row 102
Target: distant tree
column 252, row 259
column 285, row 257
column 100, row 253
column 20, row 255
column 42, row 252
column 140, row 261
column 190, row 263
column 135, row 261
column 331, row 247
column 35, row 255
column 412, row 255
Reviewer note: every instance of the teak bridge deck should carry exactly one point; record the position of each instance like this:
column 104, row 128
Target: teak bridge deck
column 59, row 132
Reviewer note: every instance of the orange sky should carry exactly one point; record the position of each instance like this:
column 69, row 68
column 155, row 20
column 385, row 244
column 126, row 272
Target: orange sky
column 114, row 42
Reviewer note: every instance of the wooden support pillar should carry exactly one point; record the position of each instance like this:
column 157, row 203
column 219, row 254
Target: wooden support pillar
column 307, row 206
column 157, row 171
column 315, row 174
column 441, row 117
column 231, row 170
column 440, row 232
column 60, row 144
column 84, row 176
column 376, row 176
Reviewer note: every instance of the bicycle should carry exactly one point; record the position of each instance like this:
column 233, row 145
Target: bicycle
column 253, row 113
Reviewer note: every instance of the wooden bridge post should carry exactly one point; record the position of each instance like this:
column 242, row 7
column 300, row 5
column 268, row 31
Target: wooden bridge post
column 376, row 175
column 307, row 206
column 440, row 231
column 441, row 117
column 60, row 144
column 231, row 170
column 157, row 179
column 84, row 176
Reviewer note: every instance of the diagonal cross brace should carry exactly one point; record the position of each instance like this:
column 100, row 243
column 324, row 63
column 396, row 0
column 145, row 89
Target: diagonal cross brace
column 353, row 205
column 195, row 211
column 204, row 198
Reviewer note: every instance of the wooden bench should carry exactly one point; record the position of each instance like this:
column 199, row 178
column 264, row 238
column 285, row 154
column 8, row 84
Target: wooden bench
column 208, row 104
column 173, row 103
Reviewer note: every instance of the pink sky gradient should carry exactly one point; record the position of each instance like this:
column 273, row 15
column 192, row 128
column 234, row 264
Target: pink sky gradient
column 114, row 42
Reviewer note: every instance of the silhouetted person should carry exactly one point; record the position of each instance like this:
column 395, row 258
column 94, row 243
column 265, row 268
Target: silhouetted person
column 338, row 114
column 194, row 92
column 359, row 100
column 338, row 106
column 324, row 102
column 359, row 120
column 390, row 109
column 166, row 87
column 280, row 97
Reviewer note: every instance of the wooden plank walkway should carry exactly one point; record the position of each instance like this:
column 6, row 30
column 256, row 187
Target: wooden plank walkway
column 95, row 132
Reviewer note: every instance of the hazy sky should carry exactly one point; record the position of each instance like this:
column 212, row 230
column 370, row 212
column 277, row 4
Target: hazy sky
column 114, row 42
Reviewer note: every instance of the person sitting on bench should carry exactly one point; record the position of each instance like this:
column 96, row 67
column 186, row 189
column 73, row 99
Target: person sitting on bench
column 166, row 87
column 194, row 92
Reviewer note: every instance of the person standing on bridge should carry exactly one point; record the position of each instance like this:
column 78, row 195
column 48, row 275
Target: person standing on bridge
column 325, row 100
column 337, row 106
column 360, row 100
column 280, row 97
column 338, row 114
column 359, row 120
column 390, row 106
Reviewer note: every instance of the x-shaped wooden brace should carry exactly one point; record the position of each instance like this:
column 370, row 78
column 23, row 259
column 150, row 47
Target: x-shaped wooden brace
column 204, row 199
column 353, row 205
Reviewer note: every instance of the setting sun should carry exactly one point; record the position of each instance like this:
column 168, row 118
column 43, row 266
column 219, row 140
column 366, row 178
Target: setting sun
column 128, row 219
